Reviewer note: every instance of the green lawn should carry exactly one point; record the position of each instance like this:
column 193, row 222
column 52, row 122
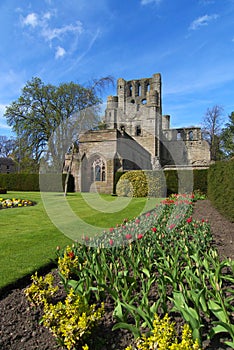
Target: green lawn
column 29, row 235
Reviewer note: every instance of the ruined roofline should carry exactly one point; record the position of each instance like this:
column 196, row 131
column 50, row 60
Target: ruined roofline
column 156, row 75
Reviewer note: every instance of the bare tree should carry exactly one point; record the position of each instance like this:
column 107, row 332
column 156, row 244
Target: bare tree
column 212, row 128
column 7, row 146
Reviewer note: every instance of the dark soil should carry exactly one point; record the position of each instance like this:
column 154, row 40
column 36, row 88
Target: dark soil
column 20, row 329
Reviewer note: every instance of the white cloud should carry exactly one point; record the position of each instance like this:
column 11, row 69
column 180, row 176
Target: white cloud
column 202, row 21
column 3, row 124
column 146, row 2
column 2, row 109
column 52, row 33
column 47, row 15
column 60, row 52
column 31, row 20
column 41, row 25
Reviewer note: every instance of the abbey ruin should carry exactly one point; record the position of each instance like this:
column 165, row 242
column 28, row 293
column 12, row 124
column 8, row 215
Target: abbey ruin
column 136, row 136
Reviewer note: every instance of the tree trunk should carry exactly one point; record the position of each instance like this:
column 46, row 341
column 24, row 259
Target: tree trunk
column 69, row 170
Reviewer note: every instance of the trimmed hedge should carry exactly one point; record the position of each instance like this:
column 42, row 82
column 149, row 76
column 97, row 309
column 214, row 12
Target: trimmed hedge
column 36, row 182
column 161, row 183
column 171, row 177
column 186, row 181
column 139, row 183
column 221, row 187
column 200, row 180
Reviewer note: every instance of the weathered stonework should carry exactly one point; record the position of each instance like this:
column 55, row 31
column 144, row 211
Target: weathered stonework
column 137, row 136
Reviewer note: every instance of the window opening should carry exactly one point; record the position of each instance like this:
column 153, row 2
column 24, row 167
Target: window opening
column 179, row 136
column 190, row 136
column 138, row 130
column 139, row 90
column 99, row 170
column 103, row 174
column 130, row 90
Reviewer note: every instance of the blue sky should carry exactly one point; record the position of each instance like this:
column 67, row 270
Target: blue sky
column 190, row 42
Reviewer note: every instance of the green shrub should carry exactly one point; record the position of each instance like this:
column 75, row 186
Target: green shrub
column 200, row 178
column 36, row 182
column 132, row 184
column 220, row 187
column 118, row 175
column 139, row 183
column 164, row 337
column 171, row 177
column 71, row 322
column 41, row 289
column 186, row 181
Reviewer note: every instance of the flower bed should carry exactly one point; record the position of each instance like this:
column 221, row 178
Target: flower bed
column 15, row 203
column 161, row 263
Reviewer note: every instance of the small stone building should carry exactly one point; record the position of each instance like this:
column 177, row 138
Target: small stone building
column 136, row 136
column 7, row 166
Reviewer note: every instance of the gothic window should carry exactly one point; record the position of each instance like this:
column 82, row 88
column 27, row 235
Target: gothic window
column 97, row 173
column 179, row 137
column 138, row 90
column 138, row 130
column 144, row 101
column 190, row 136
column 130, row 90
column 98, row 170
column 148, row 87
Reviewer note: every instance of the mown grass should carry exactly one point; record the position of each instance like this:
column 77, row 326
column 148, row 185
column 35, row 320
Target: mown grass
column 29, row 238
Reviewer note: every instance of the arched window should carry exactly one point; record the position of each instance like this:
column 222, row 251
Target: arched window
column 98, row 170
column 97, row 173
column 179, row 137
column 190, row 136
column 130, row 90
column 138, row 90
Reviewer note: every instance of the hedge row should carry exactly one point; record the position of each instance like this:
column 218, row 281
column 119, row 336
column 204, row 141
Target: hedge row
column 186, row 181
column 36, row 182
column 221, row 187
column 140, row 183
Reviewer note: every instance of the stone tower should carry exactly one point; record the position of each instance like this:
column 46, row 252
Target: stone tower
column 137, row 136
column 137, row 110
